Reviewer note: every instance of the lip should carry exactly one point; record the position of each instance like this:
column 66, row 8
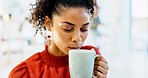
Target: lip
column 74, row 47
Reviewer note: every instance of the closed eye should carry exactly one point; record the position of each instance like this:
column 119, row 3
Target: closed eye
column 68, row 28
column 85, row 28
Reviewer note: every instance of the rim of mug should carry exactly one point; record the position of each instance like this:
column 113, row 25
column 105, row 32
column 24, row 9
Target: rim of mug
column 81, row 50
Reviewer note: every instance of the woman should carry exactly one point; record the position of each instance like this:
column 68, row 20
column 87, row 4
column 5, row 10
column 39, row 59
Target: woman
column 68, row 21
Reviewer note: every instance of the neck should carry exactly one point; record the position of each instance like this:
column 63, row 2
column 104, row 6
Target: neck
column 54, row 50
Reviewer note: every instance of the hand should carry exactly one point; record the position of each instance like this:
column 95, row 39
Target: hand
column 100, row 67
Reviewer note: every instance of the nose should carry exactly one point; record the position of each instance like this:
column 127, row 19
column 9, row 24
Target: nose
column 77, row 37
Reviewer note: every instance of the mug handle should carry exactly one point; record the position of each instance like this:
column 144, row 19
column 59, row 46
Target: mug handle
column 94, row 76
column 96, row 55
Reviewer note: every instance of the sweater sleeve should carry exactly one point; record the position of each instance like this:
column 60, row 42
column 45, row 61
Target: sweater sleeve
column 89, row 47
column 20, row 71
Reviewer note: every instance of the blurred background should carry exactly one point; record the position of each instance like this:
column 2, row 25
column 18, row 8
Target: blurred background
column 120, row 32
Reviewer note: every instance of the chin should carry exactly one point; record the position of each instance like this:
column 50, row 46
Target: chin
column 66, row 52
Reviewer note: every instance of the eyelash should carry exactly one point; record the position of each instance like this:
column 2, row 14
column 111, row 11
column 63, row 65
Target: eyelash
column 68, row 30
column 83, row 30
column 72, row 29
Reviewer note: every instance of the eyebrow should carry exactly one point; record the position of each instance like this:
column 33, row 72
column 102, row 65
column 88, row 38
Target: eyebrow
column 74, row 24
column 86, row 24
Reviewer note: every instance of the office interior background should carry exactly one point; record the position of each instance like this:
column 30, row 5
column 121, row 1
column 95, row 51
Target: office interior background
column 120, row 32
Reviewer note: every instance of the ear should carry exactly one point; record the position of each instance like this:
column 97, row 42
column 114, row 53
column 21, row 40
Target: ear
column 47, row 23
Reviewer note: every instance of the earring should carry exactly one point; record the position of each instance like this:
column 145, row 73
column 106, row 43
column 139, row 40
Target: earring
column 48, row 36
column 48, row 41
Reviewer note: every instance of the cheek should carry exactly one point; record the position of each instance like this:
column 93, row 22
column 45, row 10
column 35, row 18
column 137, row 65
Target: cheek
column 61, row 38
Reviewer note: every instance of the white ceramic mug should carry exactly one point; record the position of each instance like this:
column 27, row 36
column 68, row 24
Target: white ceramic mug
column 81, row 63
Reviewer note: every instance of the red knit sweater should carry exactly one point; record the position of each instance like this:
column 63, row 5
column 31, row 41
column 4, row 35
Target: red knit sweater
column 44, row 65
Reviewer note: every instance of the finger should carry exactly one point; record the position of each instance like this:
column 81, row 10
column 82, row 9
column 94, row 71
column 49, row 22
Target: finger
column 104, row 60
column 100, row 75
column 94, row 76
column 101, row 70
column 104, row 65
column 98, row 58
column 96, row 62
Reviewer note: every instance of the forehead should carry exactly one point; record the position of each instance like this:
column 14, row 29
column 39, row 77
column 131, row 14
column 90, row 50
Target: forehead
column 73, row 15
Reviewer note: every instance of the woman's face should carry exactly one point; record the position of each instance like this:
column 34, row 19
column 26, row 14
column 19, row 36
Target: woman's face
column 69, row 29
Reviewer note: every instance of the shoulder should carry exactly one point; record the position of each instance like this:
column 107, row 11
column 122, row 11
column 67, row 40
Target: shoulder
column 22, row 69
column 33, row 58
column 89, row 47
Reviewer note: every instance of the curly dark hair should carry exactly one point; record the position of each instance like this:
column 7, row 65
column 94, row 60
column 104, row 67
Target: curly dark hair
column 48, row 8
